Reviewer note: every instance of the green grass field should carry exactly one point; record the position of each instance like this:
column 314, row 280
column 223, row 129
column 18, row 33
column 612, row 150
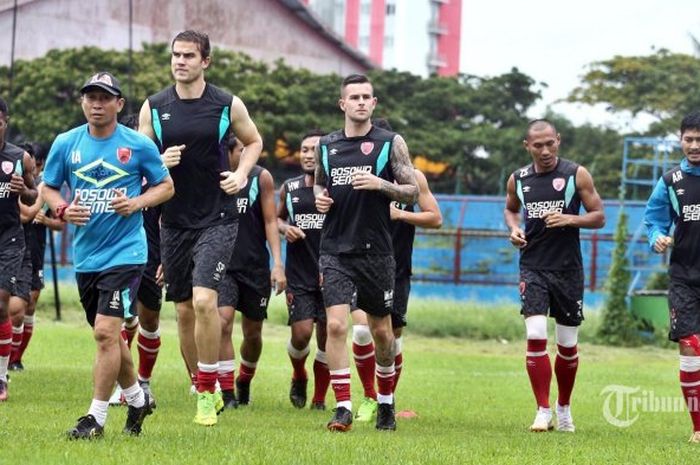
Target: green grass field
column 472, row 398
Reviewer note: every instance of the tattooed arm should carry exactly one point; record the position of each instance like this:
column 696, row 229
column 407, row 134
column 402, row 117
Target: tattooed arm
column 406, row 188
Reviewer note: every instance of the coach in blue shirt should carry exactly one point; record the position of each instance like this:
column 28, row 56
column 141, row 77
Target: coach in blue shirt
column 104, row 163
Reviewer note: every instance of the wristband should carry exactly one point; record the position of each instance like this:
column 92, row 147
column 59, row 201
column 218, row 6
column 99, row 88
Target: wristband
column 61, row 210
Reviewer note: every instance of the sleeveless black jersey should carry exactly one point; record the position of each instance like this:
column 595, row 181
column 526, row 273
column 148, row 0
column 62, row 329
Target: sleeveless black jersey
column 301, row 264
column 540, row 193
column 402, row 235
column 250, row 251
column 151, row 224
column 684, row 194
column 358, row 221
column 202, row 125
column 11, row 160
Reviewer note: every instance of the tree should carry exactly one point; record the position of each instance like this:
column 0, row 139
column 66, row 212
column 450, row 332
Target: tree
column 663, row 85
column 617, row 326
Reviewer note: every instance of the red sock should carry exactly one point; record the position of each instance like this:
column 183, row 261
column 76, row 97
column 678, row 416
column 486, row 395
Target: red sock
column 206, row 377
column 340, row 382
column 690, row 385
column 226, row 374
column 322, row 379
column 398, row 364
column 385, row 380
column 28, row 331
column 539, row 369
column 365, row 362
column 148, row 345
column 246, row 372
column 298, row 359
column 129, row 333
column 17, row 334
column 565, row 366
column 5, row 340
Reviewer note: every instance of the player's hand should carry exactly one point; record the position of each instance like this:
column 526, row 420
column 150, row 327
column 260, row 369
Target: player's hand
column 171, row 156
column 41, row 217
column 323, row 201
column 278, row 279
column 395, row 212
column 232, row 182
column 366, row 181
column 293, row 234
column 517, row 238
column 122, row 204
column 557, row 220
column 76, row 213
column 160, row 277
column 662, row 243
column 17, row 185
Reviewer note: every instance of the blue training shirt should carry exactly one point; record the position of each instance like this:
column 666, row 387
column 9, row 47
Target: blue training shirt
column 94, row 169
column 657, row 216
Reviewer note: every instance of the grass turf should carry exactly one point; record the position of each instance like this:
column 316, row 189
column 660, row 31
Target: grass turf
column 472, row 398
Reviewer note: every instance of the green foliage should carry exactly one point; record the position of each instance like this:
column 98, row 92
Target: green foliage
column 657, row 281
column 618, row 327
column 664, row 85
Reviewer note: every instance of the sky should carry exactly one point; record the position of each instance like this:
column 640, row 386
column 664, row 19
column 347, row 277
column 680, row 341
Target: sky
column 554, row 41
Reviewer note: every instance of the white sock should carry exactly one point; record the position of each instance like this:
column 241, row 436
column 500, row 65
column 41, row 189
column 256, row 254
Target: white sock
column 346, row 404
column 98, row 409
column 295, row 353
column 4, row 361
column 134, row 395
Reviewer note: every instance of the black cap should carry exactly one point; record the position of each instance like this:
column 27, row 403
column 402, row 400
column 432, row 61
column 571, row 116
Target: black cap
column 104, row 81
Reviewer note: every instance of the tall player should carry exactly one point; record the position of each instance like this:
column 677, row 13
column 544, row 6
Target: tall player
column 355, row 173
column 190, row 122
column 674, row 202
column 248, row 282
column 551, row 190
column 103, row 163
column 16, row 185
column 300, row 223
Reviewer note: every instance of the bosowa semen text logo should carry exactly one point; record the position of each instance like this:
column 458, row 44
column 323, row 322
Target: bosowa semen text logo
column 623, row 405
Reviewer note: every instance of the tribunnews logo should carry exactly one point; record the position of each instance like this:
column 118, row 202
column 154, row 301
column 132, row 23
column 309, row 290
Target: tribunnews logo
column 343, row 176
column 540, row 209
column 623, row 405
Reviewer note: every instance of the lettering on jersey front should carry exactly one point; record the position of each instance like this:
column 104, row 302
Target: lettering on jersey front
column 99, row 200
column 242, row 205
column 309, row 220
column 343, row 176
column 292, row 185
column 4, row 190
column 75, row 157
column 677, row 176
column 540, row 209
column 691, row 212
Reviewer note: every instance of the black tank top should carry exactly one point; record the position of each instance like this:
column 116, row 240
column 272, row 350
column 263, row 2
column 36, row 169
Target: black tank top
column 250, row 252
column 358, row 221
column 539, row 193
column 151, row 224
column 301, row 264
column 402, row 235
column 684, row 194
column 11, row 161
column 203, row 125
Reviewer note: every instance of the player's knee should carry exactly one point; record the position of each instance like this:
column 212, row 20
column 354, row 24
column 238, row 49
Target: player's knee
column 204, row 302
column 384, row 337
column 337, row 328
column 361, row 335
column 567, row 336
column 690, row 345
column 536, row 327
column 105, row 336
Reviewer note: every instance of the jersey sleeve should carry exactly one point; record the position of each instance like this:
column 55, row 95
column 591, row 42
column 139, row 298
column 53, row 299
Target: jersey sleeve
column 152, row 167
column 657, row 216
column 55, row 169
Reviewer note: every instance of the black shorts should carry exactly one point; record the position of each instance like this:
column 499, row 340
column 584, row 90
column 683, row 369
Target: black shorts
column 23, row 286
column 684, row 310
column 305, row 305
column 402, row 288
column 111, row 292
column 195, row 258
column 37, row 278
column 558, row 294
column 150, row 294
column 371, row 277
column 249, row 294
column 11, row 255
